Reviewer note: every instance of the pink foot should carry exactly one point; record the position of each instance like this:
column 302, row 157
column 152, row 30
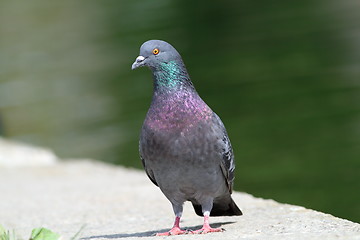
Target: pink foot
column 176, row 230
column 173, row 231
column 207, row 229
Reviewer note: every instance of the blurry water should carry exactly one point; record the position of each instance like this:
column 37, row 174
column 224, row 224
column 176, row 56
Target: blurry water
column 283, row 76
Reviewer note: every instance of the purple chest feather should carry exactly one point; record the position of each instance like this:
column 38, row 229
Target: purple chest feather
column 176, row 111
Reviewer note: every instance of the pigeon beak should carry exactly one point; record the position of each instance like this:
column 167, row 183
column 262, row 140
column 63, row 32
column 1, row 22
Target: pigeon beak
column 138, row 62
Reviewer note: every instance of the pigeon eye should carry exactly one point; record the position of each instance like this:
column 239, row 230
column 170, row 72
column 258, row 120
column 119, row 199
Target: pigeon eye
column 155, row 51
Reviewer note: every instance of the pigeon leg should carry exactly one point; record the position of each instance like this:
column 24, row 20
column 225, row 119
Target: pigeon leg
column 175, row 230
column 206, row 227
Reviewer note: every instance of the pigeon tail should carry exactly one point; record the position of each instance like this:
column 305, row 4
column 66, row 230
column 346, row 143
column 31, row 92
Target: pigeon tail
column 221, row 208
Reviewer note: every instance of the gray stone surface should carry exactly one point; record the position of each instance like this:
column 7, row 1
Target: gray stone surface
column 116, row 202
column 14, row 154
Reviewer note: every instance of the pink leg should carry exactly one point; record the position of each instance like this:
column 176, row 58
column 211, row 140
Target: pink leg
column 206, row 227
column 175, row 229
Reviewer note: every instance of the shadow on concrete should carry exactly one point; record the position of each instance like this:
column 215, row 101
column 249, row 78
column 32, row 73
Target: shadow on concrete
column 150, row 233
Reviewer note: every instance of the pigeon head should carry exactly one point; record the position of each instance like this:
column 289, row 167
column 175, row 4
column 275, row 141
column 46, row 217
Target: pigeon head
column 154, row 53
column 168, row 69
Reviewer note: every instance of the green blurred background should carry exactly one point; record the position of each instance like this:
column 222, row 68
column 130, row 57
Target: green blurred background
column 283, row 75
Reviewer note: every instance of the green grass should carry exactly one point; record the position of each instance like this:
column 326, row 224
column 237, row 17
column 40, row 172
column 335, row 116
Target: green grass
column 37, row 234
column 7, row 234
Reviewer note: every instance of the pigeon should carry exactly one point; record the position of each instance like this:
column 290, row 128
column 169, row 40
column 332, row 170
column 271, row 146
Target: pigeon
column 184, row 146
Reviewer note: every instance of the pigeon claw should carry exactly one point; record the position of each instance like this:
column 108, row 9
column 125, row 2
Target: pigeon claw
column 207, row 229
column 173, row 231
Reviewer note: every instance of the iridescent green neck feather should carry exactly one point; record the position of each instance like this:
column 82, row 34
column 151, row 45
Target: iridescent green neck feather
column 170, row 76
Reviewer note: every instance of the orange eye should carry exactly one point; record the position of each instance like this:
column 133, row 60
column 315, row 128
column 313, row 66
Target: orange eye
column 155, row 51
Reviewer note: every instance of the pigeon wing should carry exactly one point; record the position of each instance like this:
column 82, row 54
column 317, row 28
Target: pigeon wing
column 227, row 162
column 148, row 171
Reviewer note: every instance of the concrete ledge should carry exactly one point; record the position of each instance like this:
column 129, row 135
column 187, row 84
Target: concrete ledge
column 116, row 202
column 14, row 154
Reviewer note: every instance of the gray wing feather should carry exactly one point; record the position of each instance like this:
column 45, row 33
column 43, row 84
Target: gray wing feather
column 148, row 171
column 228, row 162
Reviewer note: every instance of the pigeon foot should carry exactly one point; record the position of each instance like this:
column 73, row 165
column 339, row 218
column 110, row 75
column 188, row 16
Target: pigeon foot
column 173, row 231
column 176, row 230
column 207, row 229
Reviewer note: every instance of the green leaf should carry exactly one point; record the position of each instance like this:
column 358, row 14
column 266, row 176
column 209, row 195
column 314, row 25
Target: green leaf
column 43, row 234
column 6, row 234
column 2, row 230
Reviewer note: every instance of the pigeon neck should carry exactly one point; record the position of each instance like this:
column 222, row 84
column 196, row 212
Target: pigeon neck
column 171, row 76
